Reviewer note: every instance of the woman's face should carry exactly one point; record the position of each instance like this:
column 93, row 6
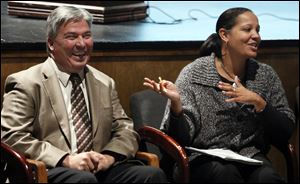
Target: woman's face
column 244, row 38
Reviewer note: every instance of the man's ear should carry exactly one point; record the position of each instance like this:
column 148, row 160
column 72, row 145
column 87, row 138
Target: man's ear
column 50, row 44
column 223, row 33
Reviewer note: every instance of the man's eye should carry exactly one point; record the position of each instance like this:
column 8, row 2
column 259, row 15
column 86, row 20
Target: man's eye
column 87, row 36
column 70, row 37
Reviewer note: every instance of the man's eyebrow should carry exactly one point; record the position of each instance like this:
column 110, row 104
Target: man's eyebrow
column 74, row 33
column 70, row 33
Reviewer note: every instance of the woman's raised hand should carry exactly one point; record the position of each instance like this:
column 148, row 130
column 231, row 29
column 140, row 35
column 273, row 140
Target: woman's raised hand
column 168, row 89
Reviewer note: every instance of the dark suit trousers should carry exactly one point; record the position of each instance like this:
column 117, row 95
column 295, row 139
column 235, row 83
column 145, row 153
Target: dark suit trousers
column 128, row 172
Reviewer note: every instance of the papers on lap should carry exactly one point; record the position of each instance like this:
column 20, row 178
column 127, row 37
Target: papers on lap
column 227, row 155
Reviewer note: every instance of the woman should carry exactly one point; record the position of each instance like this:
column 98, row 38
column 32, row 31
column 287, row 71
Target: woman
column 227, row 99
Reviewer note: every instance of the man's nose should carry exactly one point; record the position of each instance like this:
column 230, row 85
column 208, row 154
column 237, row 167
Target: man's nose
column 80, row 42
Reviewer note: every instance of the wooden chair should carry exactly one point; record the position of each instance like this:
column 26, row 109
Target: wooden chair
column 292, row 163
column 15, row 168
column 147, row 109
column 285, row 158
column 170, row 147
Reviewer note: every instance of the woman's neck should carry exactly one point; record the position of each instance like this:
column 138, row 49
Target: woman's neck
column 229, row 69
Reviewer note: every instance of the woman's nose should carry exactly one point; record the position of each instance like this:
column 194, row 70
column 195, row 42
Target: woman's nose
column 255, row 35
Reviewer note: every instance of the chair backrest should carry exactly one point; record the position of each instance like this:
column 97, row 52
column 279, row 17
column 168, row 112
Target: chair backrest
column 285, row 159
column 147, row 108
column 297, row 98
column 14, row 167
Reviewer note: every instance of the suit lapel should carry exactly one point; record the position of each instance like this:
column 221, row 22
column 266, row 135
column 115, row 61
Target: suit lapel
column 52, row 88
column 94, row 94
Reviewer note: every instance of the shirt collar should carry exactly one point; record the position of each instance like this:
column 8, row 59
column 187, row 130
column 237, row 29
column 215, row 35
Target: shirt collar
column 64, row 76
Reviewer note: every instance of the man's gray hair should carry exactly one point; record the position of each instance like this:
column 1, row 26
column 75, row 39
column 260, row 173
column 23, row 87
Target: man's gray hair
column 65, row 14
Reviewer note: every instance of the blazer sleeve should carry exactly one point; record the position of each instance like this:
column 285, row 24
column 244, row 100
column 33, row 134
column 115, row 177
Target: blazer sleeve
column 20, row 121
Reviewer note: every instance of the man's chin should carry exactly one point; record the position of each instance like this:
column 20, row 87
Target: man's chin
column 78, row 66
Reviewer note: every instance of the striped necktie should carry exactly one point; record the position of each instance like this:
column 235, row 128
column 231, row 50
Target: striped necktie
column 81, row 122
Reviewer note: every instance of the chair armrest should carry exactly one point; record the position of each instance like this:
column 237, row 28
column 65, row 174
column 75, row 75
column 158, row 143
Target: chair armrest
column 289, row 153
column 39, row 171
column 13, row 162
column 152, row 159
column 170, row 146
column 292, row 164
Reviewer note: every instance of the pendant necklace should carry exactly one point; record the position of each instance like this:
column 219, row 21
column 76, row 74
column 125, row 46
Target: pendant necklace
column 227, row 73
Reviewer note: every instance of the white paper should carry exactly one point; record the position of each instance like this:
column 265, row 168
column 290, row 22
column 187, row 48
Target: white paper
column 227, row 155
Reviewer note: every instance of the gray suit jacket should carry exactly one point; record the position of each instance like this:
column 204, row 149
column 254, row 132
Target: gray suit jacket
column 34, row 119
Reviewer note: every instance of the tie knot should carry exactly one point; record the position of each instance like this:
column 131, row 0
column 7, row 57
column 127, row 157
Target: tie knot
column 75, row 78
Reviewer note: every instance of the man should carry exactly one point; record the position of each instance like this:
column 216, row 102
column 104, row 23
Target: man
column 67, row 113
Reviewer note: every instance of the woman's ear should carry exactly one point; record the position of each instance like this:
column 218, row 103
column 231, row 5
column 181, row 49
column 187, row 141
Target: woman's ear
column 223, row 33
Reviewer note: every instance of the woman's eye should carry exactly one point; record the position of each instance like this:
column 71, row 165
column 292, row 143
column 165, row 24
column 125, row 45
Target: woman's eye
column 247, row 29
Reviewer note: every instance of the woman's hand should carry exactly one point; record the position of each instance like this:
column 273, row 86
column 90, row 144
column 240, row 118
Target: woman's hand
column 168, row 89
column 164, row 87
column 239, row 93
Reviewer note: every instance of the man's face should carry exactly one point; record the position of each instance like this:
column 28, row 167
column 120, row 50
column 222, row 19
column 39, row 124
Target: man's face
column 72, row 47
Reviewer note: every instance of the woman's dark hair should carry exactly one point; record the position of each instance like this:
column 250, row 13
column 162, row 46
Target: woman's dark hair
column 226, row 20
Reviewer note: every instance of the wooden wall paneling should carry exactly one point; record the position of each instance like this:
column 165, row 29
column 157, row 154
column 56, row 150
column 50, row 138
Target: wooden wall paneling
column 129, row 71
column 127, row 68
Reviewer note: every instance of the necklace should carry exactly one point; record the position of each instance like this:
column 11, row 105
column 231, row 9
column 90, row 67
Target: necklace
column 227, row 73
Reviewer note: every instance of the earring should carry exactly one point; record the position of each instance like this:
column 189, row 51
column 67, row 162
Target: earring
column 224, row 49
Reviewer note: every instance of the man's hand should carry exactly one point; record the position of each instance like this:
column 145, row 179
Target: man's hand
column 89, row 161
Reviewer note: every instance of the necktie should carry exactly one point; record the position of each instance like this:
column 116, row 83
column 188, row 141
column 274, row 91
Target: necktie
column 82, row 124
